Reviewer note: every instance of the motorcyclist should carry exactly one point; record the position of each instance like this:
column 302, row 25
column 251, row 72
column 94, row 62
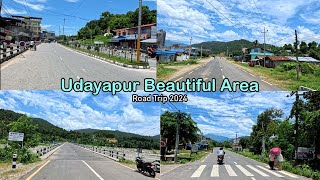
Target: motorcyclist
column 221, row 152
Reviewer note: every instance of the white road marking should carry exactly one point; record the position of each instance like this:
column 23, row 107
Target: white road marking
column 190, row 72
column 270, row 171
column 93, row 171
column 215, row 171
column 84, row 70
column 205, row 79
column 61, row 58
column 252, row 75
column 179, row 79
column 235, row 162
column 230, row 171
column 258, row 171
column 221, row 69
column 288, row 174
column 253, row 178
column 267, row 82
column 199, row 171
column 244, row 171
column 223, row 77
column 78, row 77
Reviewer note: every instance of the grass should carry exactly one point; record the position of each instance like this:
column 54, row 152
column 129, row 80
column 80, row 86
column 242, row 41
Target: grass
column 286, row 80
column 184, row 157
column 180, row 63
column 113, row 58
column 164, row 72
column 303, row 170
column 126, row 161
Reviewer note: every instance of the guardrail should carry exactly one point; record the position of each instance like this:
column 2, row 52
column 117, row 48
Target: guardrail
column 44, row 150
column 117, row 154
column 9, row 51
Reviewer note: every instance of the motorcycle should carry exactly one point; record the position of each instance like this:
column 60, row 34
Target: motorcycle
column 143, row 166
column 220, row 159
column 157, row 165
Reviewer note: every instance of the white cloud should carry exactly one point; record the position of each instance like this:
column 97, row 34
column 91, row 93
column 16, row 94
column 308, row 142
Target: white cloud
column 35, row 5
column 15, row 12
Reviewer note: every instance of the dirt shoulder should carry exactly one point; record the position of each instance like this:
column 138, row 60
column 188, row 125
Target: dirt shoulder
column 182, row 69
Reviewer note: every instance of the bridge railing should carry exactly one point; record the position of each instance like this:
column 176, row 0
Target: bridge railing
column 40, row 151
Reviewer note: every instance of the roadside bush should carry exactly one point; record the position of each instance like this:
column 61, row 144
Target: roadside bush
column 288, row 66
column 307, row 68
column 24, row 155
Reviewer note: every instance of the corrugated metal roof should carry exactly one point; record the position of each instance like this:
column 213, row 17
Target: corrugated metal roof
column 303, row 59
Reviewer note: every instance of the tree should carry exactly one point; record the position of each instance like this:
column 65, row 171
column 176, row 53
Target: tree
column 25, row 125
column 188, row 128
column 245, row 142
column 303, row 47
column 312, row 45
column 264, row 119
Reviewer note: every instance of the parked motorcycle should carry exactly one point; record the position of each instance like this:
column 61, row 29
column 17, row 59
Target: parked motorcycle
column 157, row 165
column 220, row 159
column 143, row 166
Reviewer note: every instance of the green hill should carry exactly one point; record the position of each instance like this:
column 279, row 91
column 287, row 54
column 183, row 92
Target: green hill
column 234, row 47
column 49, row 133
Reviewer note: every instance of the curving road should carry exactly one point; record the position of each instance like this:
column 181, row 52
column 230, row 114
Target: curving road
column 44, row 68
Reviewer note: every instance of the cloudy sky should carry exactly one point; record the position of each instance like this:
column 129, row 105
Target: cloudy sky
column 226, row 113
column 52, row 11
column 83, row 110
column 226, row 20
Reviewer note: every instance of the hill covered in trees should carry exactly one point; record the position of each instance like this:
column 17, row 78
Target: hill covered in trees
column 41, row 131
column 109, row 22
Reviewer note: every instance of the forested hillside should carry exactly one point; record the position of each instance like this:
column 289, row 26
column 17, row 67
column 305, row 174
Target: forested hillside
column 41, row 131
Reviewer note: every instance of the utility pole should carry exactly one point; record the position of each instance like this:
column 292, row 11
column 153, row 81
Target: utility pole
column 0, row 7
column 297, row 53
column 264, row 51
column 59, row 31
column 236, row 137
column 201, row 53
column 177, row 139
column 64, row 22
column 227, row 52
column 263, row 142
column 190, row 48
column 139, row 31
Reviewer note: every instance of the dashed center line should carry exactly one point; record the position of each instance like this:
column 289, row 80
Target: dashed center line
column 78, row 77
column 61, row 58
column 191, row 72
column 223, row 77
column 235, row 162
column 179, row 79
column 84, row 70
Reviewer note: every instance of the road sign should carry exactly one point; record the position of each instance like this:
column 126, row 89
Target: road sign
column 305, row 153
column 15, row 136
column 194, row 148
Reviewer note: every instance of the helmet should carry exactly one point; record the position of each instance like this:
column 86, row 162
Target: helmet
column 221, row 148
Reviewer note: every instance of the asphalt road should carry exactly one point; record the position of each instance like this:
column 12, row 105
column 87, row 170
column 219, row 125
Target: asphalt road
column 71, row 162
column 220, row 69
column 44, row 68
column 234, row 167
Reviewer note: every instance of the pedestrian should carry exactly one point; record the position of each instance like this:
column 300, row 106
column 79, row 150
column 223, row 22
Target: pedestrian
column 280, row 160
column 271, row 161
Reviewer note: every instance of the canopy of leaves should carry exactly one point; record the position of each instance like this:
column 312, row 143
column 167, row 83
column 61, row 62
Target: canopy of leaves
column 188, row 130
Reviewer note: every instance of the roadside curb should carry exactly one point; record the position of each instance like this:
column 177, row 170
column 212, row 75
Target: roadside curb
column 112, row 158
column 110, row 61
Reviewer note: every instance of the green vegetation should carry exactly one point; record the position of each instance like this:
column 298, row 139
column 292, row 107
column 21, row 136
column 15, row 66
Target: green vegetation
column 163, row 72
column 181, row 63
column 109, row 22
column 303, row 170
column 189, row 131
column 285, row 75
column 270, row 122
column 38, row 131
column 113, row 58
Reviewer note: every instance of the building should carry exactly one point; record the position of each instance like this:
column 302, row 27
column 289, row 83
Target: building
column 304, row 59
column 273, row 61
column 11, row 30
column 254, row 52
column 127, row 37
column 236, row 146
column 31, row 26
column 47, row 35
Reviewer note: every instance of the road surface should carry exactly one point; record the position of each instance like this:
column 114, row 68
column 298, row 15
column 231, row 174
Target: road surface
column 44, row 68
column 234, row 167
column 71, row 162
column 220, row 69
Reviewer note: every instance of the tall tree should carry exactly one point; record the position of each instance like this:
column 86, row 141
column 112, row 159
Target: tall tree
column 188, row 128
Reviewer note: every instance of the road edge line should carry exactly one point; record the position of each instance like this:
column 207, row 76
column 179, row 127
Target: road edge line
column 93, row 170
column 38, row 170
